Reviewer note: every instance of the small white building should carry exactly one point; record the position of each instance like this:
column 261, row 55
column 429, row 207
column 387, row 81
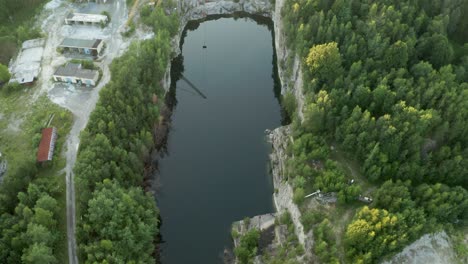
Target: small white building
column 74, row 73
column 85, row 19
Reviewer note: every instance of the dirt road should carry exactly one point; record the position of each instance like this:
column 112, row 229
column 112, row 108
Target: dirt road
column 81, row 101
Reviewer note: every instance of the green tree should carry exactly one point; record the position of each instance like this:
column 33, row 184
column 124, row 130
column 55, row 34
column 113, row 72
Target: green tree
column 4, row 74
column 436, row 49
column 119, row 225
column 374, row 232
column 324, row 62
column 397, row 55
column 247, row 248
column 38, row 254
column 39, row 234
column 325, row 243
column 298, row 196
column 289, row 103
column 446, row 204
column 394, row 196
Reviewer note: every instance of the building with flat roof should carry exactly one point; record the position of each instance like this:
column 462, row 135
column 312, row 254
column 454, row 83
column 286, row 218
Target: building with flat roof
column 91, row 47
column 45, row 151
column 25, row 69
column 74, row 73
column 85, row 19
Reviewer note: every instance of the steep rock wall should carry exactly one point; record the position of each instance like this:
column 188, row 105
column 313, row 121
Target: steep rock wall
column 196, row 10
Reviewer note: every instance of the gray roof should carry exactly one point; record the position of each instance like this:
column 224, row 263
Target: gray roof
column 80, row 43
column 75, row 70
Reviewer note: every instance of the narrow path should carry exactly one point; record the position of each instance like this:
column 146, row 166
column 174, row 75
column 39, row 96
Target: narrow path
column 72, row 147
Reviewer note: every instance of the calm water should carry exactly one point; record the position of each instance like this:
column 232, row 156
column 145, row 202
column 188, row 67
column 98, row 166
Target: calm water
column 215, row 171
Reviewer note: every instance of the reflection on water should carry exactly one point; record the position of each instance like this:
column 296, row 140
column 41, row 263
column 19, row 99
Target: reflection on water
column 215, row 168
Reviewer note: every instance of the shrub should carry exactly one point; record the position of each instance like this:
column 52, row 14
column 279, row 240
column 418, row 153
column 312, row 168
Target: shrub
column 12, row 87
column 310, row 218
column 247, row 248
column 298, row 197
column 4, row 74
column 289, row 103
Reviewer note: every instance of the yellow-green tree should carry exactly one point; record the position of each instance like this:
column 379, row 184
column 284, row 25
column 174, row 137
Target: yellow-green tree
column 324, row 62
column 373, row 233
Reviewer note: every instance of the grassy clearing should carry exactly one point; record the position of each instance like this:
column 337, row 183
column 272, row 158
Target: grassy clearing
column 459, row 237
column 343, row 215
column 338, row 215
column 21, row 124
column 352, row 169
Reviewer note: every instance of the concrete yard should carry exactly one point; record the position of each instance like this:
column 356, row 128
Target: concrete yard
column 26, row 67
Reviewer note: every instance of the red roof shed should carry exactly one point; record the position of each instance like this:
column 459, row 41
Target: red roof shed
column 47, row 145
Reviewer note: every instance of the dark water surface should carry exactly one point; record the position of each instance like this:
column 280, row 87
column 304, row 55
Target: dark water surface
column 215, row 171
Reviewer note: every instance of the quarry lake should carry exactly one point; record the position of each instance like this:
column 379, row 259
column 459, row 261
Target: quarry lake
column 215, row 170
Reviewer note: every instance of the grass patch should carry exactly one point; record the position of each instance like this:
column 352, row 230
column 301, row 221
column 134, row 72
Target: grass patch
column 21, row 126
column 8, row 48
column 459, row 239
column 351, row 168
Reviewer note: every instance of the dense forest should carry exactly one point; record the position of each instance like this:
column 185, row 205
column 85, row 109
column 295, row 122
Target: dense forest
column 32, row 202
column 29, row 232
column 120, row 220
column 385, row 83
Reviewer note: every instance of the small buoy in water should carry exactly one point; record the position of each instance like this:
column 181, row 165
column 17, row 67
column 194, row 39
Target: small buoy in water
column 204, row 46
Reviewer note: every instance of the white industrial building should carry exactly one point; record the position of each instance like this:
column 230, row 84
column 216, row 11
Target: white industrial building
column 92, row 47
column 85, row 19
column 74, row 73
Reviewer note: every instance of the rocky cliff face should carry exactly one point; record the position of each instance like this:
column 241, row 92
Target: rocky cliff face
column 294, row 82
column 198, row 9
column 430, row 248
column 283, row 196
